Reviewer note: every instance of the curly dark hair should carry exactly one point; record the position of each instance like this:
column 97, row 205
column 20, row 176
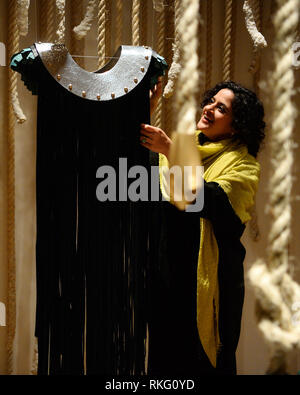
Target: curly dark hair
column 248, row 113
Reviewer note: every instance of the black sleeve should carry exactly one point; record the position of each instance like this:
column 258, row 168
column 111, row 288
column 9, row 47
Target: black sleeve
column 219, row 211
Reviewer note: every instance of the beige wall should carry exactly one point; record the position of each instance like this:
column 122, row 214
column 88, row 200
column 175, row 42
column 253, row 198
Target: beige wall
column 252, row 352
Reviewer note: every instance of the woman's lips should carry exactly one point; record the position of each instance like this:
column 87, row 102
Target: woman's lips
column 206, row 120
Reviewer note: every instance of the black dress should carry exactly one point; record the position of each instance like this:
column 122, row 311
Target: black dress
column 92, row 256
column 174, row 345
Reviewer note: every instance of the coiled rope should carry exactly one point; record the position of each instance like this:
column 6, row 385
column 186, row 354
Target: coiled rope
column 135, row 22
column 227, row 52
column 47, row 15
column 84, row 27
column 101, row 33
column 119, row 23
column 22, row 11
column 188, row 79
column 160, row 46
column 175, row 68
column 276, row 292
column 251, row 9
column 208, row 68
column 61, row 16
column 12, row 47
column 77, row 46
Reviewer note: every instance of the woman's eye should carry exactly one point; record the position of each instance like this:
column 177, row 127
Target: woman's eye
column 221, row 108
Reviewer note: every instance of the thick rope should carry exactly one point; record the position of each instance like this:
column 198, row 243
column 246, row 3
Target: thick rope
column 61, row 16
column 47, row 15
column 160, row 46
column 119, row 23
column 158, row 5
column 12, row 47
column 188, row 80
column 21, row 18
column 108, row 26
column 276, row 292
column 135, row 22
column 84, row 27
column 168, row 55
column 175, row 67
column 251, row 9
column 227, row 55
column 76, row 46
column 208, row 68
column 101, row 33
column 22, row 10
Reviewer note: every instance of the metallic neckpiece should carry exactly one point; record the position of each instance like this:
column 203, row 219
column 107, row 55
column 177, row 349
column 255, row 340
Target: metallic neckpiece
column 126, row 69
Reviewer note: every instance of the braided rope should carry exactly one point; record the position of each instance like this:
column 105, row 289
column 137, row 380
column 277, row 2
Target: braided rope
column 158, row 5
column 22, row 16
column 188, row 80
column 168, row 111
column 101, row 33
column 107, row 28
column 276, row 292
column 135, row 22
column 160, row 46
column 76, row 46
column 252, row 12
column 12, row 47
column 227, row 63
column 47, row 15
column 175, row 68
column 119, row 23
column 61, row 14
column 208, row 68
column 84, row 27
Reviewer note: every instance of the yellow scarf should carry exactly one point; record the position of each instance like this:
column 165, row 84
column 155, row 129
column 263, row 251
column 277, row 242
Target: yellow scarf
column 230, row 165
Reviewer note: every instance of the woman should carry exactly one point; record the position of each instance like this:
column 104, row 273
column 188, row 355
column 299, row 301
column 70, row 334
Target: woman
column 197, row 281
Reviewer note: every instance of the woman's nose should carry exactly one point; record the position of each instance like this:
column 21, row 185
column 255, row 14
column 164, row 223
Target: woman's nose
column 209, row 107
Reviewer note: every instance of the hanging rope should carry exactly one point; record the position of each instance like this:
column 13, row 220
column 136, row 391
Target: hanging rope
column 119, row 23
column 168, row 55
column 175, row 68
column 12, row 47
column 158, row 5
column 101, row 33
column 47, row 15
column 160, row 41
column 135, row 22
column 276, row 292
column 251, row 9
column 107, row 28
column 22, row 11
column 61, row 30
column 227, row 55
column 84, row 27
column 208, row 68
column 188, row 78
column 76, row 46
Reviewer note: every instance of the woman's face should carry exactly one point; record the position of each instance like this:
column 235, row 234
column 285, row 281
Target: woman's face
column 216, row 118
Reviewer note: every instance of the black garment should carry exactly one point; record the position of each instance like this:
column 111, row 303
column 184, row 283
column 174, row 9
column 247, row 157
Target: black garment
column 174, row 344
column 92, row 257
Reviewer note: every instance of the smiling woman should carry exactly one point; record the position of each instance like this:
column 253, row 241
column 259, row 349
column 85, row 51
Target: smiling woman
column 198, row 280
